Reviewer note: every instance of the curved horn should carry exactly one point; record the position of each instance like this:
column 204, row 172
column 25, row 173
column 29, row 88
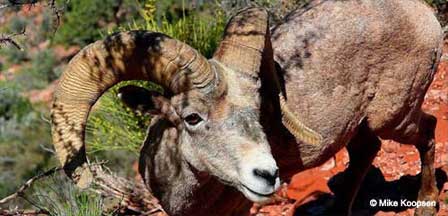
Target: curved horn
column 134, row 55
column 244, row 41
column 246, row 48
column 295, row 126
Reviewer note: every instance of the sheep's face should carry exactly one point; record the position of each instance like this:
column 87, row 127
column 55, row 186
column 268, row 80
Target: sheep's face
column 220, row 135
column 227, row 140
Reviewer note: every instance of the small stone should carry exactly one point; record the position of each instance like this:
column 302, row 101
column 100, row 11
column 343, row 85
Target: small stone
column 330, row 164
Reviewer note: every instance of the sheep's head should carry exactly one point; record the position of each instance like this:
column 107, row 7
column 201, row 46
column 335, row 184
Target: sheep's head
column 214, row 103
column 217, row 132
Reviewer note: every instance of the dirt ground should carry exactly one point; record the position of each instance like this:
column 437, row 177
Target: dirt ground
column 394, row 174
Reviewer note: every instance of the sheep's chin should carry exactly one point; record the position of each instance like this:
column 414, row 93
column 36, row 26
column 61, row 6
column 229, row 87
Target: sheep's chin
column 254, row 196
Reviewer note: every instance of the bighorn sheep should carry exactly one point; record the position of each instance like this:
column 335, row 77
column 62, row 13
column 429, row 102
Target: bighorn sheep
column 350, row 70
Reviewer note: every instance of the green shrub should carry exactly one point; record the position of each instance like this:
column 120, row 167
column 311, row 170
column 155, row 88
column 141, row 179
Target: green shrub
column 12, row 105
column 111, row 125
column 58, row 196
column 202, row 33
column 13, row 55
column 40, row 72
column 45, row 30
column 25, row 136
column 85, row 19
column 17, row 24
column 23, row 150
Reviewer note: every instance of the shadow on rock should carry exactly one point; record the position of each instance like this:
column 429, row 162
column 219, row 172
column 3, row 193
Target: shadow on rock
column 375, row 187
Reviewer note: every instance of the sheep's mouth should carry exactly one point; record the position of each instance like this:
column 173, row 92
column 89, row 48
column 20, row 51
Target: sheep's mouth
column 257, row 193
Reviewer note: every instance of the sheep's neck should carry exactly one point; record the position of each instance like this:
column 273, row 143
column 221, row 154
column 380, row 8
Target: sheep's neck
column 183, row 190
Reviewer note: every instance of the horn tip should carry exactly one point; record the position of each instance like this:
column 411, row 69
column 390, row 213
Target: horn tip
column 296, row 127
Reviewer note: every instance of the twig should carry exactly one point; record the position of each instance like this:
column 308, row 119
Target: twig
column 24, row 187
column 49, row 150
column 9, row 39
column 23, row 212
column 134, row 196
column 11, row 3
column 57, row 12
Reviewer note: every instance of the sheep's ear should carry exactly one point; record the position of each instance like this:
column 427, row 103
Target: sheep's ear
column 141, row 99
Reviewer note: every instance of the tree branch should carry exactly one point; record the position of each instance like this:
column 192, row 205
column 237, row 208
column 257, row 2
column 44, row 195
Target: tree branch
column 10, row 39
column 24, row 187
column 23, row 212
column 133, row 195
column 57, row 13
column 12, row 3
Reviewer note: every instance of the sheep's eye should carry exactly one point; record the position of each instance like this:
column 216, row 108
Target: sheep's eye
column 193, row 119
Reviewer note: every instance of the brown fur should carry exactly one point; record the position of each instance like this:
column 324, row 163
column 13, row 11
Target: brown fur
column 351, row 70
column 182, row 189
column 346, row 61
column 342, row 63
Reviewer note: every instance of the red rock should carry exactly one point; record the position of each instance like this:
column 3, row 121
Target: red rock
column 330, row 164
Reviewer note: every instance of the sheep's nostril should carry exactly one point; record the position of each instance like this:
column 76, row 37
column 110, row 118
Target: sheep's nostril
column 268, row 175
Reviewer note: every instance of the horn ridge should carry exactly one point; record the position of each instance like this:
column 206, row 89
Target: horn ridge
column 244, row 41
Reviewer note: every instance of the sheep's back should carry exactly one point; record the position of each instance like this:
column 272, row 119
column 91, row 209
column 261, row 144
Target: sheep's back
column 345, row 61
